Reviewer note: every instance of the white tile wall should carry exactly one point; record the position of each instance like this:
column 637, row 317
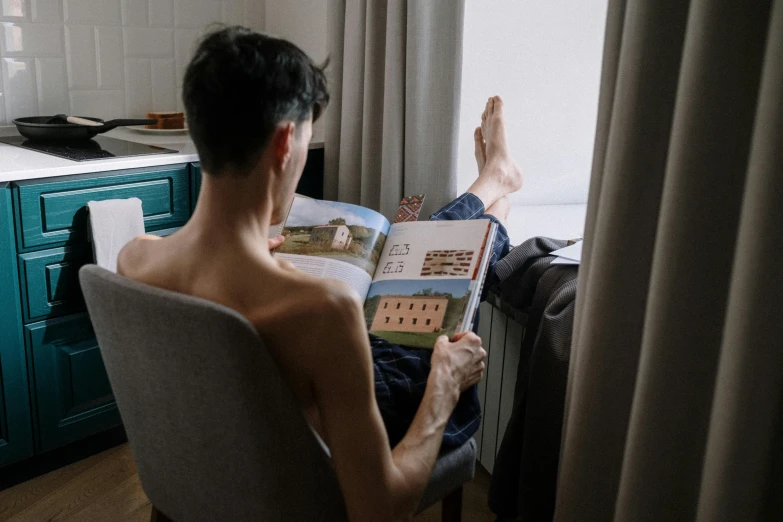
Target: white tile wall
column 31, row 39
column 52, row 87
column 162, row 13
column 138, row 92
column 196, row 14
column 47, row 11
column 2, row 97
column 92, row 11
column 20, row 85
column 109, row 104
column 80, row 49
column 135, row 13
column 104, row 58
column 148, row 42
column 163, row 86
column 14, row 9
column 109, row 49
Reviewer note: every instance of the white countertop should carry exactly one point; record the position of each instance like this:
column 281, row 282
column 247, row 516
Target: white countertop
column 17, row 163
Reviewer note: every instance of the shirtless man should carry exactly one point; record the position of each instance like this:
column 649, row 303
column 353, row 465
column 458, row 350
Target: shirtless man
column 250, row 101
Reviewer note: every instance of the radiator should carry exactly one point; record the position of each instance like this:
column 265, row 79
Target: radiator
column 502, row 336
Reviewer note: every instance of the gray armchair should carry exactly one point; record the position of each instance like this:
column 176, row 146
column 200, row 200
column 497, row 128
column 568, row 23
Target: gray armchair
column 215, row 432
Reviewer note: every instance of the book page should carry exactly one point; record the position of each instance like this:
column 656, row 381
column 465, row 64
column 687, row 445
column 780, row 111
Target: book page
column 336, row 240
column 427, row 280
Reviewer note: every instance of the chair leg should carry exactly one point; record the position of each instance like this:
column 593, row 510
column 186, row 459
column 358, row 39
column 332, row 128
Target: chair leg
column 452, row 506
column 158, row 516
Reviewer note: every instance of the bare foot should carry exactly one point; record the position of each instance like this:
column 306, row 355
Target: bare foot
column 500, row 175
column 500, row 209
column 481, row 149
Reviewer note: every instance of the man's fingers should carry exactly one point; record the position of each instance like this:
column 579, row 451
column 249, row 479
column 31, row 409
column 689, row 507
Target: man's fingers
column 474, row 379
column 442, row 339
column 458, row 336
column 275, row 242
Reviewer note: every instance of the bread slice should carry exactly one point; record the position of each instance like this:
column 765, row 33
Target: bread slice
column 167, row 120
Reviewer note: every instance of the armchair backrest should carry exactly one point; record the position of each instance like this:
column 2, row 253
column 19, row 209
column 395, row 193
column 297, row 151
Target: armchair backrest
column 215, row 431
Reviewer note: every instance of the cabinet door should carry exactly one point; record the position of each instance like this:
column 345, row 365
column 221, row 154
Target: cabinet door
column 50, row 282
column 16, row 436
column 73, row 398
column 53, row 212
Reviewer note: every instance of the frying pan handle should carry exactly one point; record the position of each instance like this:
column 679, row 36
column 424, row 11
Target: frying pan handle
column 111, row 124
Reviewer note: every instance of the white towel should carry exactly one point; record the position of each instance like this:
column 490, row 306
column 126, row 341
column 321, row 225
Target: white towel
column 113, row 224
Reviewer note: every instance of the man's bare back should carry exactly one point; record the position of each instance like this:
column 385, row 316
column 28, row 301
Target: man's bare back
column 314, row 327
column 284, row 304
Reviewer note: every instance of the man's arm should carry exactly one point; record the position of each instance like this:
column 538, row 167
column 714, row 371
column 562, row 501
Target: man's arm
column 378, row 483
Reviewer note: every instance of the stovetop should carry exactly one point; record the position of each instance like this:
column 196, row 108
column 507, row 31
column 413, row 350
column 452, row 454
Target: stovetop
column 100, row 147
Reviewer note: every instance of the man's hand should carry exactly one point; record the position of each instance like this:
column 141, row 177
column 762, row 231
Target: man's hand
column 461, row 359
column 275, row 242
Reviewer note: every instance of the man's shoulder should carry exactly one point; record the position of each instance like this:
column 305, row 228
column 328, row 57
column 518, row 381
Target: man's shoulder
column 323, row 299
column 134, row 254
column 312, row 313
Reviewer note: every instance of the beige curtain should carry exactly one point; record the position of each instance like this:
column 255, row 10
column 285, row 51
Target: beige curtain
column 391, row 129
column 675, row 396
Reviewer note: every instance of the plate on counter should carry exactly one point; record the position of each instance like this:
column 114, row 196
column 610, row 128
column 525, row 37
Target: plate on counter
column 145, row 130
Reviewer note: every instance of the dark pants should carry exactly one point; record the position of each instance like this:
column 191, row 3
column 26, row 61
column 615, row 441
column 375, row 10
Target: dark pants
column 401, row 372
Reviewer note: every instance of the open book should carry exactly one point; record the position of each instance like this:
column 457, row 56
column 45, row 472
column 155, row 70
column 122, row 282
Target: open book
column 418, row 280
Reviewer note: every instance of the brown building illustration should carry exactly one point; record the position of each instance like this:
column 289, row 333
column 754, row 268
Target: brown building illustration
column 447, row 262
column 410, row 313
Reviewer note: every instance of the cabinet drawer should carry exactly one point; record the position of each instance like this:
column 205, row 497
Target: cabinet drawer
column 73, row 398
column 50, row 282
column 54, row 213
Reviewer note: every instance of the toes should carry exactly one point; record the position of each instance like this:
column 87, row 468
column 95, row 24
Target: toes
column 497, row 103
column 480, row 148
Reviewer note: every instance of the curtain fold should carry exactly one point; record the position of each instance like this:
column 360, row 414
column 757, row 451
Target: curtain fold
column 743, row 468
column 392, row 127
column 677, row 340
column 623, row 214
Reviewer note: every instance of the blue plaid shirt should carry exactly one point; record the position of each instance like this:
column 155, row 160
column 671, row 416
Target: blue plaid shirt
column 401, row 372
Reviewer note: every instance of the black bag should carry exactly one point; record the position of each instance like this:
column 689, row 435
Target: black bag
column 524, row 478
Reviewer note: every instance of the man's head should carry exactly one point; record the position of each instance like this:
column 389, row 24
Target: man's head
column 246, row 95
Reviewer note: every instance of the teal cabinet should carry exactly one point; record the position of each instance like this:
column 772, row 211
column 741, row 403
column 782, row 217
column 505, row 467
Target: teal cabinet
column 50, row 282
column 195, row 184
column 53, row 385
column 16, row 436
column 73, row 398
column 54, row 213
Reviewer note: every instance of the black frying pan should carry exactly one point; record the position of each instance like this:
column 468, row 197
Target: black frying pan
column 52, row 128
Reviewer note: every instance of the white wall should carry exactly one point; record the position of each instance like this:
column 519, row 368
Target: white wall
column 103, row 58
column 544, row 59
column 302, row 22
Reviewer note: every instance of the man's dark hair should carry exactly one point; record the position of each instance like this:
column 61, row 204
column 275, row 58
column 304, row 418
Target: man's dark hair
column 239, row 85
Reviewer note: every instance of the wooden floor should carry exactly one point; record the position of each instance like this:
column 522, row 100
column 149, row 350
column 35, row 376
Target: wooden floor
column 105, row 487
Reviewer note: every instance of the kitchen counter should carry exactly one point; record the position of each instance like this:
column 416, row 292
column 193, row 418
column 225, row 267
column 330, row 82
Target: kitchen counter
column 17, row 163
